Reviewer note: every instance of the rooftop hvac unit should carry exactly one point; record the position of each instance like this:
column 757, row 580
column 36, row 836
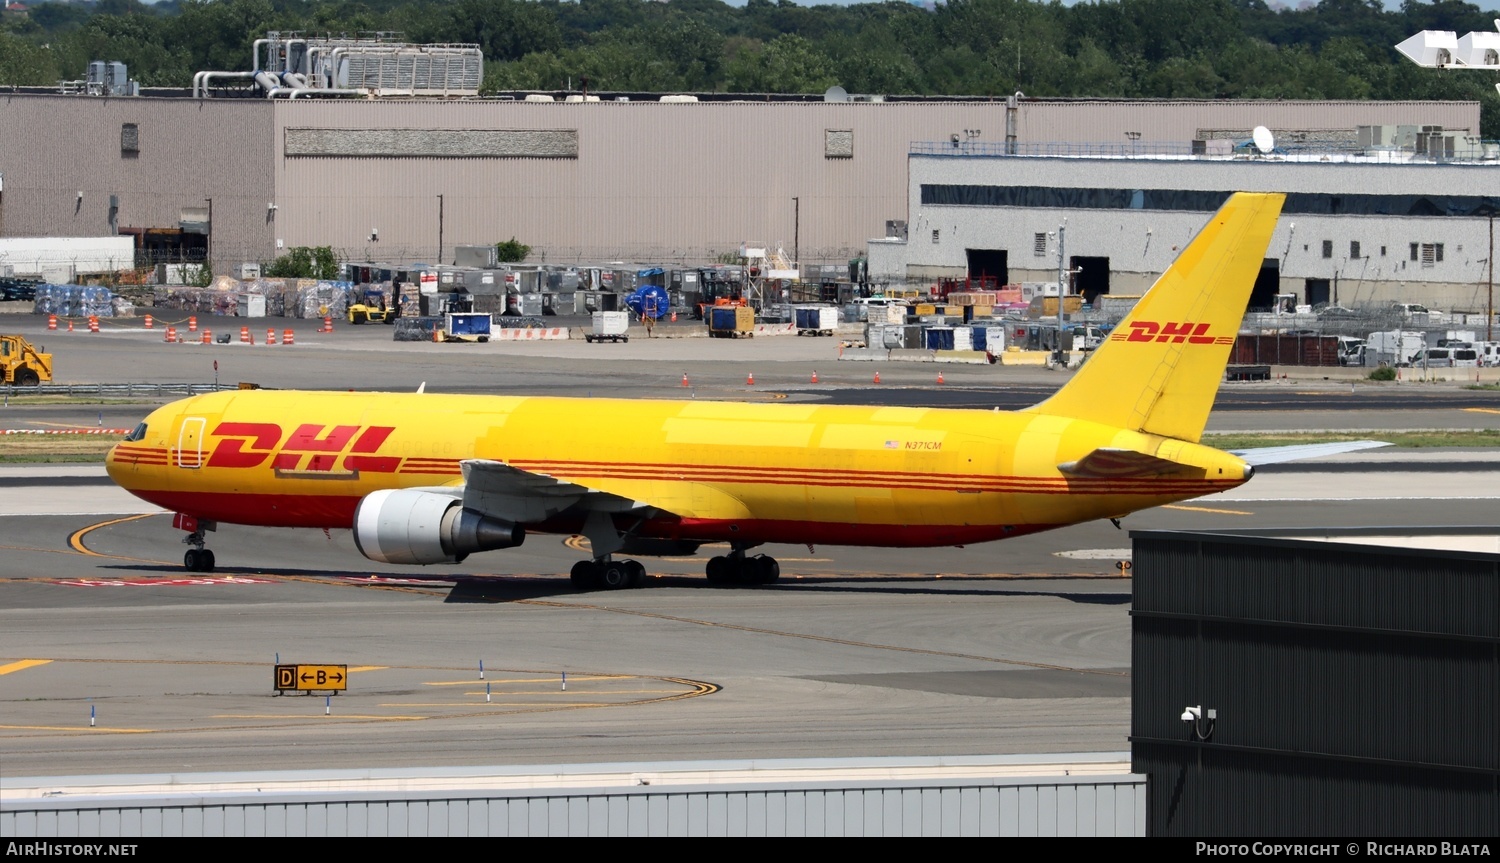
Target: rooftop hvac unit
column 411, row 70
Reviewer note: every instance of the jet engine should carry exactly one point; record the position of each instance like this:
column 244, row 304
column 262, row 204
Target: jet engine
column 411, row 526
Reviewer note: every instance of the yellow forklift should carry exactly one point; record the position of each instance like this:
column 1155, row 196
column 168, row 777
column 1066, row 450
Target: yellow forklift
column 372, row 309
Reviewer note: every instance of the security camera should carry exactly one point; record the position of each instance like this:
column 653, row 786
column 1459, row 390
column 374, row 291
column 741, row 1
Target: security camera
column 1191, row 714
column 374, row 234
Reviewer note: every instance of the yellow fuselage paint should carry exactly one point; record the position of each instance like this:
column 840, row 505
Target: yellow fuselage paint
column 887, row 476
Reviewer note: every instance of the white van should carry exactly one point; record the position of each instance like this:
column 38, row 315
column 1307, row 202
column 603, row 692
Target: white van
column 1450, row 357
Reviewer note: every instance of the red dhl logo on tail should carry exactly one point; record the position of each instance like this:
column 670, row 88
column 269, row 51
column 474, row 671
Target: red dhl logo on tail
column 310, row 447
column 1176, row 332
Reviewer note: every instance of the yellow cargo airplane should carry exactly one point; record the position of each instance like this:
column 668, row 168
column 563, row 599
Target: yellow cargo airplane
column 424, row 478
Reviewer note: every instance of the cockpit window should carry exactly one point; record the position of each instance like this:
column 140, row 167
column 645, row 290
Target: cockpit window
column 137, row 433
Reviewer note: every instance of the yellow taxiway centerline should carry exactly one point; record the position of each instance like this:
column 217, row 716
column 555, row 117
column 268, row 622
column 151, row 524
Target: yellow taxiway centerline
column 22, row 665
column 1207, row 509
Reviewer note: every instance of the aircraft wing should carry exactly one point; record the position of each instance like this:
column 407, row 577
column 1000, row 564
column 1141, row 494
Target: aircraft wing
column 498, row 489
column 1110, row 463
column 1277, row 454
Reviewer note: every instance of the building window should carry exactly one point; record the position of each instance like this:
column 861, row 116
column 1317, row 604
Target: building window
column 1428, row 253
column 934, row 235
column 1354, row 249
column 1039, row 244
column 1328, row 248
column 130, row 140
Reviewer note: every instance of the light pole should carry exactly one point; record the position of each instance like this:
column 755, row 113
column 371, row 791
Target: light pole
column 209, row 251
column 797, row 236
column 440, row 230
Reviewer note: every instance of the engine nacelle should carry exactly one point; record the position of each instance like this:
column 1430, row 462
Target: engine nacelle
column 397, row 525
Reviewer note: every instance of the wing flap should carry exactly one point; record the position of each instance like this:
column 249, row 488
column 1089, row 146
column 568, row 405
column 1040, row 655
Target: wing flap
column 504, row 491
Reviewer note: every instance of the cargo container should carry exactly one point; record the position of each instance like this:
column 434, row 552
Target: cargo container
column 731, row 321
column 816, row 320
column 963, row 338
column 467, row 327
column 252, row 306
column 939, row 338
column 609, row 327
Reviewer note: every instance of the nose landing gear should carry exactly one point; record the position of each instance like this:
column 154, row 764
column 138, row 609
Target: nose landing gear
column 197, row 558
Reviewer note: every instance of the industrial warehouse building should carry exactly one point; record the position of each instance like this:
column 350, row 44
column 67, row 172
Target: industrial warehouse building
column 1362, row 226
column 406, row 180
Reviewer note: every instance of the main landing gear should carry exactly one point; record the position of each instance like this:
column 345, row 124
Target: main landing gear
column 736, row 568
column 197, row 558
column 607, row 573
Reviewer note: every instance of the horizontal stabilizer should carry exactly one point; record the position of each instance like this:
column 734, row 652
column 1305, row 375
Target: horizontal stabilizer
column 1278, row 454
column 1106, row 463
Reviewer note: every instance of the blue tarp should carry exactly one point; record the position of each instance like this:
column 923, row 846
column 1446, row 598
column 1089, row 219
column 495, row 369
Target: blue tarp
column 649, row 301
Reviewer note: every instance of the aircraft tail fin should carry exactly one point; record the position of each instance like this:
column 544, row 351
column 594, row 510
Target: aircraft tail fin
column 1159, row 370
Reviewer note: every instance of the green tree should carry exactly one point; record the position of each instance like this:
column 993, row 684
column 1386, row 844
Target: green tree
column 302, row 262
column 790, row 64
column 512, row 251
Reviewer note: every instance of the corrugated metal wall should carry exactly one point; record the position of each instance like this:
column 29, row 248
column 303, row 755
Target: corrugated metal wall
column 1093, row 806
column 652, row 182
column 1357, row 687
column 53, row 147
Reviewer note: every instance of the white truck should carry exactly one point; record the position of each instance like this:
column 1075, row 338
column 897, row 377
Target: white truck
column 1393, row 347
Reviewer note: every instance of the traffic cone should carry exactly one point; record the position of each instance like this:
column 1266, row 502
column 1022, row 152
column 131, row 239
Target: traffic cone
column 93, row 323
column 685, row 380
column 150, row 324
column 286, row 337
column 208, row 337
column 750, row 379
column 815, row 376
column 171, row 335
column 674, row 317
column 940, row 378
column 327, row 324
column 877, row 377
column 52, row 322
column 245, row 336
column 70, row 325
column 270, row 336
column 192, row 324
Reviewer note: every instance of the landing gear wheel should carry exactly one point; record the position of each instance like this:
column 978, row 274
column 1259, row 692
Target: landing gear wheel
column 765, row 569
column 615, row 575
column 198, row 560
column 637, row 573
column 718, row 570
column 585, row 575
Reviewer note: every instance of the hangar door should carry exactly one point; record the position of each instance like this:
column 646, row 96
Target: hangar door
column 1267, row 285
column 1090, row 276
column 988, row 264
